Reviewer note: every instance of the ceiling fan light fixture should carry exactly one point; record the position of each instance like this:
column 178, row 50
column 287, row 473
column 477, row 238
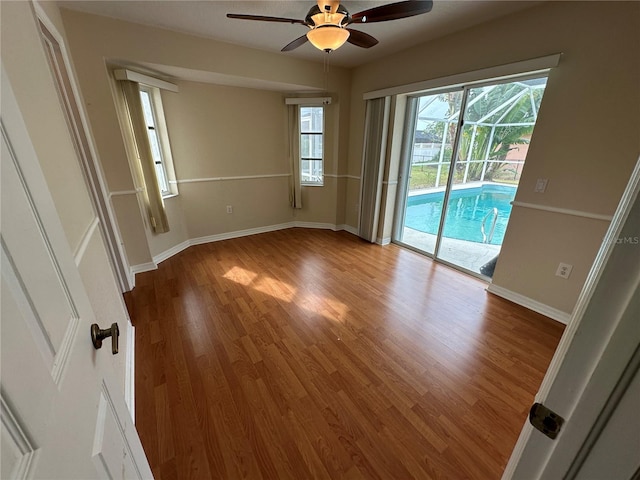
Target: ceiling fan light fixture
column 328, row 37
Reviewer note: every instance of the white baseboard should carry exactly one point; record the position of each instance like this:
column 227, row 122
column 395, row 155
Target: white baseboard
column 171, row 252
column 240, row 233
column 143, row 267
column 348, row 228
column 383, row 241
column 546, row 310
column 131, row 280
column 320, row 226
column 146, row 267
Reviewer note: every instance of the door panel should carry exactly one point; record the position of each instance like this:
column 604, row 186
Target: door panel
column 18, row 452
column 60, row 408
column 110, row 447
column 36, row 277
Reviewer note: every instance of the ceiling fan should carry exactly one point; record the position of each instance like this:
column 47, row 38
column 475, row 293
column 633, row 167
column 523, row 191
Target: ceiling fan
column 329, row 22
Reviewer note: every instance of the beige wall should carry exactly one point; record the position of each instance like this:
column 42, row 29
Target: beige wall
column 26, row 65
column 586, row 141
column 220, row 132
column 586, row 121
column 215, row 131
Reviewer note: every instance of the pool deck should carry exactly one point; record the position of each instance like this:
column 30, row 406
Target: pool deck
column 457, row 186
column 469, row 255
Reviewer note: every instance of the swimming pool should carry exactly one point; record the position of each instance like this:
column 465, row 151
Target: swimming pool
column 467, row 209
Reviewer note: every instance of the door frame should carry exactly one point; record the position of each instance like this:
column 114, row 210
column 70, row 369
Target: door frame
column 72, row 105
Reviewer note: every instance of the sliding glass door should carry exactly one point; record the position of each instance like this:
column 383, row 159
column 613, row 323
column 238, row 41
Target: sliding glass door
column 462, row 165
column 434, row 123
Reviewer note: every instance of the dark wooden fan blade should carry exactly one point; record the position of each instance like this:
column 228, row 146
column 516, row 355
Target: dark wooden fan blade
column 392, row 11
column 295, row 44
column 361, row 39
column 263, row 18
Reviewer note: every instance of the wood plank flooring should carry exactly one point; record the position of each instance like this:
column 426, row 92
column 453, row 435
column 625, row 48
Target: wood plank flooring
column 311, row 354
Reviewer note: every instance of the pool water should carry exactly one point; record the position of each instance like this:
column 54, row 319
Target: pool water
column 467, row 209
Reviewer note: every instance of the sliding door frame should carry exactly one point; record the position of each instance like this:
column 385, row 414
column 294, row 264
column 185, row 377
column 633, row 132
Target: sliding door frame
column 407, row 155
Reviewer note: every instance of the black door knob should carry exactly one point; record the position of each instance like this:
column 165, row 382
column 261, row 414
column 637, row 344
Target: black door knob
column 98, row 335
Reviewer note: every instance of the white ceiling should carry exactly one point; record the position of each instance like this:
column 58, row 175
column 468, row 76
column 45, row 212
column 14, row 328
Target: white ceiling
column 208, row 19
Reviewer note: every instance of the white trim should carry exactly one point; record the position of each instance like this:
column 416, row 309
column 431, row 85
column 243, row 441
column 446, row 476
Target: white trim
column 243, row 177
column 390, row 182
column 240, row 177
column 161, row 257
column 143, row 267
column 311, row 101
column 124, row 74
column 518, row 450
column 383, row 241
column 499, row 72
column 546, row 310
column 130, row 370
column 84, row 243
column 125, row 192
column 348, row 228
column 564, row 211
column 335, row 175
column 316, row 225
column 240, row 233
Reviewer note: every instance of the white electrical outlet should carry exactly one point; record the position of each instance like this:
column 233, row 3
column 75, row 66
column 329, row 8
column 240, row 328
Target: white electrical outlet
column 564, row 270
column 541, row 185
column 229, row 209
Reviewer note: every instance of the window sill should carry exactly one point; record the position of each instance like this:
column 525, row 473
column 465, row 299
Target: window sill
column 169, row 195
column 312, row 184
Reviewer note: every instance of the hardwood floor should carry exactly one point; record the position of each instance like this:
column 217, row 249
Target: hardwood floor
column 312, row 354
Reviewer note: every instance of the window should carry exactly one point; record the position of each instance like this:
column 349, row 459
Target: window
column 156, row 132
column 311, row 145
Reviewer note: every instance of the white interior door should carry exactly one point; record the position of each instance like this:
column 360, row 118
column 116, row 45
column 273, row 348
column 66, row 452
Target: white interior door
column 62, row 415
column 592, row 381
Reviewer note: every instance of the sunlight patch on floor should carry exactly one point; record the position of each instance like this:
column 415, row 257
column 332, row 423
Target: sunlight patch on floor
column 241, row 276
column 270, row 286
column 330, row 308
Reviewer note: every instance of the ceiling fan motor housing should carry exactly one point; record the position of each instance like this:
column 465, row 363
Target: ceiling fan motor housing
column 317, row 17
column 330, row 6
